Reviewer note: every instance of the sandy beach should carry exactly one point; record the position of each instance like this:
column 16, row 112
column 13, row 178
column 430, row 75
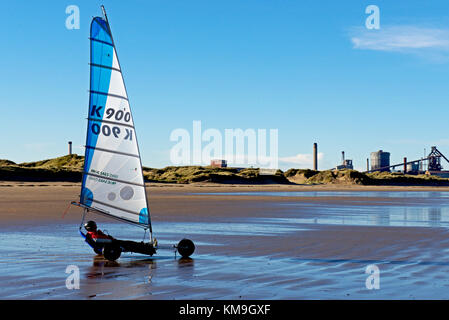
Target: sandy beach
column 253, row 242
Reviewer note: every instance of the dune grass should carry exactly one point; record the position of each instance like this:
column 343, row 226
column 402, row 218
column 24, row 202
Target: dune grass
column 72, row 162
column 4, row 162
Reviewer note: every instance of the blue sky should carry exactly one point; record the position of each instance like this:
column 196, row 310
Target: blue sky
column 307, row 68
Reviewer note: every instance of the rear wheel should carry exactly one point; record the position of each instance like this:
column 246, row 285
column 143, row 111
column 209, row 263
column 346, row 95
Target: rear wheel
column 112, row 252
column 186, row 248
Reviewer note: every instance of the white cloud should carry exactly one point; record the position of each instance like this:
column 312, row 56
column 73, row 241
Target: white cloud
column 405, row 39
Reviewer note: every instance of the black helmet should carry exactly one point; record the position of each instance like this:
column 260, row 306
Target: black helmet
column 90, row 226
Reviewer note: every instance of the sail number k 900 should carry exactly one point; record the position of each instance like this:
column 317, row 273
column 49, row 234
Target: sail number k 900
column 111, row 130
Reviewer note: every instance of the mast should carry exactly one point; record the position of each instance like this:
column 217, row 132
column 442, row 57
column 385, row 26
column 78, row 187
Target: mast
column 104, row 14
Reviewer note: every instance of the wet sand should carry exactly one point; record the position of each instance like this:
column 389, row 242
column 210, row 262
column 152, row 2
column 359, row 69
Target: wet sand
column 253, row 242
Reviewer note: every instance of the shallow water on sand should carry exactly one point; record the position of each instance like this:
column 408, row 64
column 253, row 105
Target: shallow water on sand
column 421, row 208
column 373, row 194
column 303, row 250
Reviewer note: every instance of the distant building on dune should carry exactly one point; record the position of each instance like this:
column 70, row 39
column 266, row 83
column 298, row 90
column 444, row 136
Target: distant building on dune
column 218, row 163
column 345, row 163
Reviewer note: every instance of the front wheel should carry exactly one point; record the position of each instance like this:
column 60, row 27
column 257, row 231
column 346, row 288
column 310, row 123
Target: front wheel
column 186, row 248
column 112, row 252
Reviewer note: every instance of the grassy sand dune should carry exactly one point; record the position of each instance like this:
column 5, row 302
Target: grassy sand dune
column 66, row 168
column 70, row 167
column 4, row 162
column 353, row 177
column 191, row 174
column 72, row 162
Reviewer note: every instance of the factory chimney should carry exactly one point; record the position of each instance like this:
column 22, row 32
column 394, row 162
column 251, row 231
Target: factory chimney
column 70, row 147
column 315, row 156
column 343, row 158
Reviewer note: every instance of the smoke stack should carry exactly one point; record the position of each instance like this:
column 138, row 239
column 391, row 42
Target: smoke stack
column 405, row 165
column 70, row 147
column 315, row 156
column 367, row 164
column 343, row 158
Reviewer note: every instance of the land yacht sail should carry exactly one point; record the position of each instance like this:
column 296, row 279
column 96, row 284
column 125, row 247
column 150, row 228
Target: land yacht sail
column 113, row 182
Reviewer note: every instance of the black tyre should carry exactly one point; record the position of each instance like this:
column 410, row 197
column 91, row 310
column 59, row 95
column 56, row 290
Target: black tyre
column 112, row 252
column 186, row 248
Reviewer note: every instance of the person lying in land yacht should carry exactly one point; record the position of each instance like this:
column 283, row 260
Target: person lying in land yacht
column 96, row 234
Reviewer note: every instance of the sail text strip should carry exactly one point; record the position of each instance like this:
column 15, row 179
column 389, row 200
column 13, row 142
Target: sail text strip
column 112, row 179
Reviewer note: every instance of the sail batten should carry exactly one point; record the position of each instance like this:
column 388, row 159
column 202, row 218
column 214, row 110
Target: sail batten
column 114, row 151
column 104, row 42
column 117, row 208
column 108, row 94
column 107, row 67
column 113, row 181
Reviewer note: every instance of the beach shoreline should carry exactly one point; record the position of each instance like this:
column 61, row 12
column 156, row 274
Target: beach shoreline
column 253, row 242
column 232, row 187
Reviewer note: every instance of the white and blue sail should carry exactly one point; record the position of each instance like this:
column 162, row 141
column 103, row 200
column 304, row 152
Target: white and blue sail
column 113, row 182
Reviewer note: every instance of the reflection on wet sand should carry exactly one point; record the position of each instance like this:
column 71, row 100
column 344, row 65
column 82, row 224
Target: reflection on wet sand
column 185, row 262
column 364, row 215
column 103, row 268
column 186, row 268
column 435, row 217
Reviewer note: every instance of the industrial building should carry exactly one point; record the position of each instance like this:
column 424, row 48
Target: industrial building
column 345, row 163
column 380, row 161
